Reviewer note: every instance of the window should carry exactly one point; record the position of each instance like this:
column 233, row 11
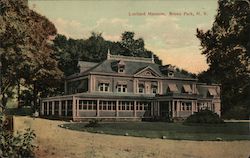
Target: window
column 104, row 87
column 154, row 90
column 141, row 88
column 121, row 69
column 122, row 88
column 183, row 106
column 170, row 74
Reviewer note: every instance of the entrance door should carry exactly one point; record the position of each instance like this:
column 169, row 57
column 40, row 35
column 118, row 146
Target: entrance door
column 164, row 110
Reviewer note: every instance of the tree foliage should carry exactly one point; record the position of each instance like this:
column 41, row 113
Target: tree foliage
column 18, row 145
column 227, row 48
column 95, row 49
column 25, row 47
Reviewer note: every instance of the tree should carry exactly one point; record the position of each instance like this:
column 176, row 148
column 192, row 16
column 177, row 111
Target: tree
column 26, row 48
column 135, row 47
column 227, row 48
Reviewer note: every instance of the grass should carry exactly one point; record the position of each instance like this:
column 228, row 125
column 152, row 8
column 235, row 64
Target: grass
column 177, row 131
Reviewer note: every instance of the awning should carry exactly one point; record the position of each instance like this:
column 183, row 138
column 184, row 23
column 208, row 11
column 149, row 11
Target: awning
column 212, row 91
column 121, row 82
column 187, row 88
column 172, row 87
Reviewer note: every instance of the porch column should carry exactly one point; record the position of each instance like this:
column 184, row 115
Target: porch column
column 73, row 106
column 152, row 107
column 178, row 108
column 53, row 107
column 134, row 108
column 77, row 107
column 42, row 110
column 158, row 108
column 60, row 108
column 48, row 106
column 192, row 107
column 117, row 108
column 97, row 108
column 66, row 107
column 173, row 114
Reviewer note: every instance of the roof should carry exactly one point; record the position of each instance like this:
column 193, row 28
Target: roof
column 131, row 68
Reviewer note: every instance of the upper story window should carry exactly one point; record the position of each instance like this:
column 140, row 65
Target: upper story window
column 141, row 88
column 103, row 87
column 122, row 88
column 154, row 88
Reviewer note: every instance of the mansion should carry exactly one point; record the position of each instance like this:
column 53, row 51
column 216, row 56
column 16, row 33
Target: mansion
column 130, row 88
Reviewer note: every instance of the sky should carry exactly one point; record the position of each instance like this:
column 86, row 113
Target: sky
column 168, row 27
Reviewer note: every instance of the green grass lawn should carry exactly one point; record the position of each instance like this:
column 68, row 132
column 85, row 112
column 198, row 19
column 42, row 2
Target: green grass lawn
column 227, row 131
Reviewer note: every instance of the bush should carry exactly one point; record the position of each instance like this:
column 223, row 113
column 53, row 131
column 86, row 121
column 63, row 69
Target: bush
column 204, row 117
column 19, row 145
column 93, row 123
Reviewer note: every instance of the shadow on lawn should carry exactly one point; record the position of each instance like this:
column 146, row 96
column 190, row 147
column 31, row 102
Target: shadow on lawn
column 163, row 130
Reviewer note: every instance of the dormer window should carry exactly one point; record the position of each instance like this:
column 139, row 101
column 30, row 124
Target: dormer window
column 121, row 66
column 170, row 74
column 121, row 69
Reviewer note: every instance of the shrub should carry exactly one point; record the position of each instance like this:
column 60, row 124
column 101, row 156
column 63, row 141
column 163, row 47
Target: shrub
column 19, row 145
column 204, row 116
column 93, row 123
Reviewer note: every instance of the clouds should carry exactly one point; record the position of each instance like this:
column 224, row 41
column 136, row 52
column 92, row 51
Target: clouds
column 71, row 28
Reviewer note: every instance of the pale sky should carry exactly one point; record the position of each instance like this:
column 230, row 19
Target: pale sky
column 170, row 34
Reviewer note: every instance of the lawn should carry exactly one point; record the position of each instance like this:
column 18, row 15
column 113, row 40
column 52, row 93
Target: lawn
column 56, row 142
column 177, row 131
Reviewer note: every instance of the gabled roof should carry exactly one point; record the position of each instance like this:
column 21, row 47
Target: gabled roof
column 153, row 72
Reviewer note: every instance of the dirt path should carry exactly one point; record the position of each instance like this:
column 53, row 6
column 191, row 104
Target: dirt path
column 55, row 142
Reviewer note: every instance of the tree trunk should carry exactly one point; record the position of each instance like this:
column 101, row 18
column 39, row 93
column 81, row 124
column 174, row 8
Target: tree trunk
column 4, row 100
column 35, row 93
column 18, row 94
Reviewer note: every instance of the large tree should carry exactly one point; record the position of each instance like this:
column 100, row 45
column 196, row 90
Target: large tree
column 227, row 48
column 26, row 49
